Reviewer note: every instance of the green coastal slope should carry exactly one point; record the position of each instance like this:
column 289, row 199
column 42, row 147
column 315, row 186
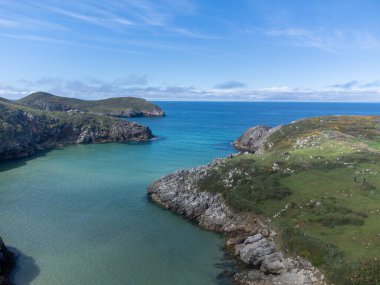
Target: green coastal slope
column 116, row 107
column 25, row 130
column 317, row 182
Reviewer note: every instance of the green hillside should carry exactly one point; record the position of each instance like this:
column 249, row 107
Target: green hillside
column 318, row 185
column 117, row 107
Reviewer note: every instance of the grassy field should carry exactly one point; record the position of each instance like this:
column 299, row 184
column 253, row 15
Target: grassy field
column 318, row 185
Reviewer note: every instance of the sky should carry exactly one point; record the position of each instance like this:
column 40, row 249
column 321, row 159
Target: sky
column 222, row 50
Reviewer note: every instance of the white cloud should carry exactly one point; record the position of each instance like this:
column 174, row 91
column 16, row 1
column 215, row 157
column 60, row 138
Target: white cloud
column 194, row 35
column 36, row 38
column 357, row 86
column 137, row 86
column 232, row 84
column 5, row 23
column 333, row 40
column 129, row 16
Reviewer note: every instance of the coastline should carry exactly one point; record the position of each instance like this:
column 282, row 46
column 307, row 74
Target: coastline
column 29, row 132
column 251, row 241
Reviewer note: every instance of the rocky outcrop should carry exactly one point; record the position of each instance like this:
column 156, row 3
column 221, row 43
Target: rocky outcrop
column 7, row 263
column 119, row 131
column 129, row 113
column 254, row 139
column 251, row 240
column 179, row 192
column 272, row 267
column 24, row 131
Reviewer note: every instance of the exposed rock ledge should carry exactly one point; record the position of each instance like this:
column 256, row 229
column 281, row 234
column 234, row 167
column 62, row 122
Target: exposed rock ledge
column 7, row 262
column 254, row 139
column 250, row 240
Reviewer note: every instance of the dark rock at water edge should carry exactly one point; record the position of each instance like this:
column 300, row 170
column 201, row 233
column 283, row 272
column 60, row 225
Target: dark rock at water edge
column 7, row 263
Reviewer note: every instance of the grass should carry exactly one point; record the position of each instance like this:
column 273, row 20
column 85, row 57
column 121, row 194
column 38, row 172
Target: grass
column 318, row 185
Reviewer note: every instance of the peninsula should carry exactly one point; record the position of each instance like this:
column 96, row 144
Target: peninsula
column 25, row 130
column 114, row 107
column 301, row 205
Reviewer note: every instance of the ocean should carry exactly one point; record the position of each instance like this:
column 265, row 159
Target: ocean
column 80, row 215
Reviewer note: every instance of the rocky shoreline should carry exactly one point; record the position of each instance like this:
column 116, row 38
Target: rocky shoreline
column 7, row 263
column 25, row 131
column 250, row 240
column 132, row 113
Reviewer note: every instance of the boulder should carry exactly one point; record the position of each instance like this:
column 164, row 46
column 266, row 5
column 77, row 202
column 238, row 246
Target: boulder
column 255, row 253
column 252, row 139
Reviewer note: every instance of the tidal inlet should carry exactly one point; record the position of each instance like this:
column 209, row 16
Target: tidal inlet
column 189, row 142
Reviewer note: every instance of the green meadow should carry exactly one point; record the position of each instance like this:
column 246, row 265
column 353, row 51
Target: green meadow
column 318, row 186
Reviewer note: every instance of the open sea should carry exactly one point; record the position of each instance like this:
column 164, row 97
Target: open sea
column 80, row 215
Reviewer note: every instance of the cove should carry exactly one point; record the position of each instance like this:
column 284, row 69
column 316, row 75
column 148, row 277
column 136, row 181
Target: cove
column 79, row 214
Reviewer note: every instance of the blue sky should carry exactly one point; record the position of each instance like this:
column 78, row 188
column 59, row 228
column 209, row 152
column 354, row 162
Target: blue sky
column 322, row 50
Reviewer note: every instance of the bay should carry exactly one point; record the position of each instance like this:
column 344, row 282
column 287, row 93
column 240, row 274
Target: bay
column 80, row 215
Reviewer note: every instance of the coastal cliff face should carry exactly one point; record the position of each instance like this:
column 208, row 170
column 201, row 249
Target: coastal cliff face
column 254, row 139
column 251, row 241
column 24, row 131
column 130, row 113
column 114, row 107
column 7, row 262
column 294, row 201
column 179, row 192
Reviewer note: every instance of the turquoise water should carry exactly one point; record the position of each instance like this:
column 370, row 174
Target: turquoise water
column 79, row 215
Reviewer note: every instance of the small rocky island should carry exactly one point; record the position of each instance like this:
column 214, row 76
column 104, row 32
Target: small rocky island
column 114, row 107
column 26, row 130
column 301, row 205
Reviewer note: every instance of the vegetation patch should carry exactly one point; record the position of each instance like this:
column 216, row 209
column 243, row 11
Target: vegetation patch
column 318, row 186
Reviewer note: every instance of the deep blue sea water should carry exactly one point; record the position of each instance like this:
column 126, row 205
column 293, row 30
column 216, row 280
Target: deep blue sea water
column 79, row 214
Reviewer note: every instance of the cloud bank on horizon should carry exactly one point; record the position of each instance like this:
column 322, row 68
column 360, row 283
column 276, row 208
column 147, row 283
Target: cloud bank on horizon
column 138, row 86
column 244, row 50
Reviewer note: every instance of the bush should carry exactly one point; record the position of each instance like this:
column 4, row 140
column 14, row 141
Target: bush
column 330, row 259
column 362, row 272
column 334, row 220
column 319, row 253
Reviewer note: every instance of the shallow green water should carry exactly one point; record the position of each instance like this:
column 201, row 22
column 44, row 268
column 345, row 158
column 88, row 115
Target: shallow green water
column 79, row 215
column 82, row 214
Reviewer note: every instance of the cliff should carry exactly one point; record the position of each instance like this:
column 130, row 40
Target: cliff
column 115, row 107
column 24, row 130
column 253, row 139
column 308, row 198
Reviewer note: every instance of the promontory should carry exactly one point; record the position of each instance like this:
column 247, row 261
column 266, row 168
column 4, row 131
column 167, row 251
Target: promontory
column 25, row 130
column 115, row 107
column 300, row 205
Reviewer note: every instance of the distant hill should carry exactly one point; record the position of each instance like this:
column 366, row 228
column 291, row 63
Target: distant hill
column 25, row 131
column 115, row 107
